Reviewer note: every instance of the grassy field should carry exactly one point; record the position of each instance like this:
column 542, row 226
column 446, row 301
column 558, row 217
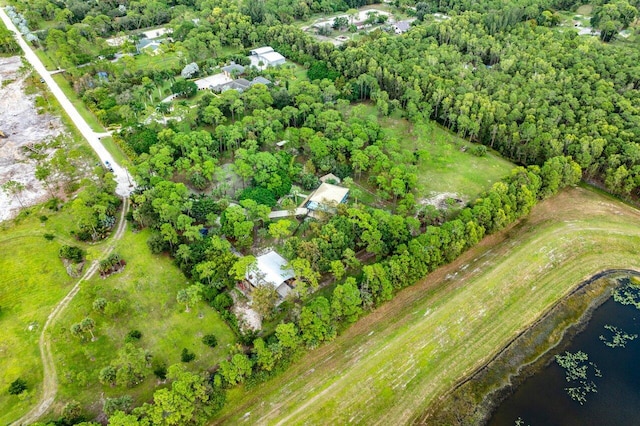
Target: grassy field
column 446, row 168
column 148, row 285
column 32, row 281
column 389, row 366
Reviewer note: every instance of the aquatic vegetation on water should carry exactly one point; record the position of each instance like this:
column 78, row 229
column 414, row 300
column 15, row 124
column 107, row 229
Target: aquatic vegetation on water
column 577, row 369
column 618, row 339
column 627, row 295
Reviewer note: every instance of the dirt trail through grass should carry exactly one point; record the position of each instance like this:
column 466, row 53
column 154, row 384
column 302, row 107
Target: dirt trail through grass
column 50, row 382
column 388, row 367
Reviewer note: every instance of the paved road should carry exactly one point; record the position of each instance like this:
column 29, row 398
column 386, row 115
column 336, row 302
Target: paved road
column 125, row 186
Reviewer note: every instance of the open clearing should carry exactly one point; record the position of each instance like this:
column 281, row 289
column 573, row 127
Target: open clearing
column 32, row 281
column 23, row 125
column 389, row 366
column 444, row 167
column 148, row 286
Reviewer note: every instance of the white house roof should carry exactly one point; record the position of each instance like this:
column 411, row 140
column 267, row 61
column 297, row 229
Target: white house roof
column 402, row 26
column 212, row 81
column 270, row 268
column 327, row 194
column 262, row 50
column 272, row 57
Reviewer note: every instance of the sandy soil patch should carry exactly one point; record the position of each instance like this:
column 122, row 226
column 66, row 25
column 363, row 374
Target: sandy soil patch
column 23, row 126
column 439, row 200
column 247, row 317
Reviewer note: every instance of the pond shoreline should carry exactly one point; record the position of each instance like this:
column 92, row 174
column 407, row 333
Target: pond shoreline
column 473, row 399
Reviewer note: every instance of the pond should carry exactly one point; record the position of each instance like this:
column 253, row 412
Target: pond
column 603, row 374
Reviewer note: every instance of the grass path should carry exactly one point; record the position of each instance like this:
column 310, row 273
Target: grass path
column 50, row 381
column 389, row 366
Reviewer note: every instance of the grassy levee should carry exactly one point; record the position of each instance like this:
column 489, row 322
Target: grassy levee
column 147, row 287
column 32, row 281
column 392, row 364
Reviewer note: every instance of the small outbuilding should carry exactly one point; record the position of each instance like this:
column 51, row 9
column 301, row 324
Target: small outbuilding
column 271, row 269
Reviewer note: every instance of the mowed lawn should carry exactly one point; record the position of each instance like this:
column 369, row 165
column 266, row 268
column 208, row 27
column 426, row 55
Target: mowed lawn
column 148, row 288
column 446, row 168
column 32, row 281
column 389, row 366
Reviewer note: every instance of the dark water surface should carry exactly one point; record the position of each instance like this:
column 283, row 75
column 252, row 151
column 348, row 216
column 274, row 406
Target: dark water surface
column 542, row 399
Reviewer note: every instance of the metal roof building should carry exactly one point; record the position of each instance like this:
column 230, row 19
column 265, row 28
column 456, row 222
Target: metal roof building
column 271, row 268
column 327, row 196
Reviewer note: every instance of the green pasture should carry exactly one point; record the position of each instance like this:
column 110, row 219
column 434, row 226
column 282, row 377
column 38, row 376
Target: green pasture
column 32, row 281
column 148, row 286
column 388, row 367
column 447, row 164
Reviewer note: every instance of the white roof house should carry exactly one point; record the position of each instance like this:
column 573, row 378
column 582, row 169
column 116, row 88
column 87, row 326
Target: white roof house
column 271, row 268
column 264, row 57
column 326, row 196
column 273, row 59
column 401, row 27
column 261, row 50
column 213, row 81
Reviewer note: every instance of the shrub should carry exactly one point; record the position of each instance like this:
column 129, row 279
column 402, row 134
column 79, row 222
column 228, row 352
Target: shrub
column 73, row 253
column 133, row 335
column 71, row 412
column 99, row 304
column 17, row 386
column 157, row 244
column 122, row 403
column 479, row 150
column 53, row 204
column 309, row 181
column 210, row 340
column 160, row 370
column 222, row 302
column 259, row 195
column 43, row 218
column 49, row 237
column 187, row 356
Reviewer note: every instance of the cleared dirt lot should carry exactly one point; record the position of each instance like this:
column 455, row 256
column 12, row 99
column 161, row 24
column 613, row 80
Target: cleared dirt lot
column 23, row 126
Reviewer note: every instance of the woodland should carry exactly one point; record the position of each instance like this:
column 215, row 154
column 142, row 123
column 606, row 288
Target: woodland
column 503, row 75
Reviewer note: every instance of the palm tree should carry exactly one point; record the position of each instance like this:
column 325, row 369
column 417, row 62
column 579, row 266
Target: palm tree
column 76, row 330
column 88, row 324
column 183, row 297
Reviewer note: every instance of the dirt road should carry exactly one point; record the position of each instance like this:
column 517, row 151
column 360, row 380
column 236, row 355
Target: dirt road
column 50, row 381
column 124, row 187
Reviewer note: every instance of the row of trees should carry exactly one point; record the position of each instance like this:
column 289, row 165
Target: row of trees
column 319, row 319
column 529, row 92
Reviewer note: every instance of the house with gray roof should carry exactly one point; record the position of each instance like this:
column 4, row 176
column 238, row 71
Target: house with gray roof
column 261, row 80
column 232, row 70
